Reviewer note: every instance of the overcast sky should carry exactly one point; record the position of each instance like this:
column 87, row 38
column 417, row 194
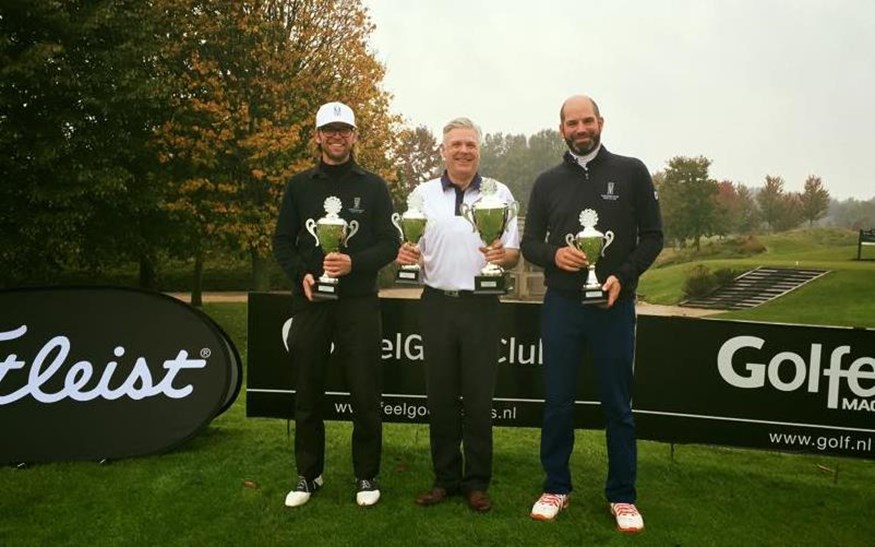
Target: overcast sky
column 760, row 87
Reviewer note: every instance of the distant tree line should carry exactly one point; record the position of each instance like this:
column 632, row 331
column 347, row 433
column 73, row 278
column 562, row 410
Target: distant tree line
column 694, row 205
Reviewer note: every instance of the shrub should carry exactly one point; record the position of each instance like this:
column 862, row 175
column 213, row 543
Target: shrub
column 725, row 276
column 751, row 246
column 700, row 281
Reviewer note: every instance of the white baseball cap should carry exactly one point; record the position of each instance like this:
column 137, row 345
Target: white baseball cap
column 334, row 113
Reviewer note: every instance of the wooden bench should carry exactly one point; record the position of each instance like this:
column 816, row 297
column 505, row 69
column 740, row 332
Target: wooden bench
column 867, row 237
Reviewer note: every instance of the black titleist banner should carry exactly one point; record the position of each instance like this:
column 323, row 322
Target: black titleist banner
column 104, row 373
column 760, row 385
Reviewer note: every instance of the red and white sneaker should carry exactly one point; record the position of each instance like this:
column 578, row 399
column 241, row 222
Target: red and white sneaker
column 629, row 520
column 548, row 506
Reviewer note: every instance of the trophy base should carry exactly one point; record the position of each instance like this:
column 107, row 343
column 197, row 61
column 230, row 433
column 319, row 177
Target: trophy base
column 490, row 284
column 324, row 289
column 408, row 277
column 593, row 295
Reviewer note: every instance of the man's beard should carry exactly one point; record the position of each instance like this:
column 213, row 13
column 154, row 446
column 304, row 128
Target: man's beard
column 343, row 157
column 574, row 147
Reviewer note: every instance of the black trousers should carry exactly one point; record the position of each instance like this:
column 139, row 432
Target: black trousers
column 460, row 341
column 354, row 325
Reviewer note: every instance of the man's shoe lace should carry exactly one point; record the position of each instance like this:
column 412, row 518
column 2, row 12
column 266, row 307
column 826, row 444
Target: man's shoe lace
column 555, row 500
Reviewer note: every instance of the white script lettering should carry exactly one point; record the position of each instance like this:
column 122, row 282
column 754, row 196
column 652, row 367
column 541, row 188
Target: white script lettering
column 48, row 362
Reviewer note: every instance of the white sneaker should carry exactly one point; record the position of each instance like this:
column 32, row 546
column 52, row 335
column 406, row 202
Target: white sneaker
column 629, row 520
column 302, row 492
column 548, row 506
column 367, row 492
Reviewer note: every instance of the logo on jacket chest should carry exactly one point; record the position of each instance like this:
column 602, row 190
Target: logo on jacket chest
column 356, row 206
column 610, row 193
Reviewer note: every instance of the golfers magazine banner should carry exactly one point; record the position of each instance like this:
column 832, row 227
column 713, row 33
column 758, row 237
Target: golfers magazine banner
column 781, row 387
column 92, row 373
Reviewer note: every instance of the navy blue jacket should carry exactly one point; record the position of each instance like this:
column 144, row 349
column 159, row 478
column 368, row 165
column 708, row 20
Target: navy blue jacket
column 621, row 191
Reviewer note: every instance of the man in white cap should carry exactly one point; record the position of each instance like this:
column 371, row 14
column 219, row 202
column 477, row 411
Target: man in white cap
column 351, row 321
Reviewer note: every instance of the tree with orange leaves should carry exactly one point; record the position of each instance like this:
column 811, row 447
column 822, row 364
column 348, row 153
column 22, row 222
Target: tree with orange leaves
column 247, row 77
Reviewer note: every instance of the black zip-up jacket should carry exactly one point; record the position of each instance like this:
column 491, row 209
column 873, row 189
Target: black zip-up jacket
column 620, row 190
column 365, row 198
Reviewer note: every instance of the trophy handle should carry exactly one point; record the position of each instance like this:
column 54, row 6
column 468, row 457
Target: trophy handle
column 354, row 227
column 396, row 220
column 311, row 227
column 609, row 238
column 569, row 239
column 513, row 208
column 467, row 213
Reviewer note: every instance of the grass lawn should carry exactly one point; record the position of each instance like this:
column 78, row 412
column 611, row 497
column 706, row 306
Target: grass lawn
column 844, row 297
column 226, row 487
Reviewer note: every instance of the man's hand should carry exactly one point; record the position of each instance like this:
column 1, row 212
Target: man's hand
column 308, row 283
column 499, row 255
column 612, row 286
column 570, row 259
column 337, row 264
column 495, row 253
column 408, row 255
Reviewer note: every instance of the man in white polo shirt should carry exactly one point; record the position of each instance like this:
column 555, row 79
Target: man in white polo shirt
column 460, row 329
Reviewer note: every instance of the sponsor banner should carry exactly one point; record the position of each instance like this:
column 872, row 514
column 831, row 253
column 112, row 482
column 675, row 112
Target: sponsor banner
column 92, row 373
column 519, row 390
column 763, row 385
column 760, row 385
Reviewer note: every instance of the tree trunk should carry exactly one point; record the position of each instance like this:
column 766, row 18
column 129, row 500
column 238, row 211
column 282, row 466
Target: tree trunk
column 260, row 271
column 197, row 281
column 148, row 279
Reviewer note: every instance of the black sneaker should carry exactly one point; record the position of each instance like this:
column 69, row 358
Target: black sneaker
column 367, row 492
column 301, row 494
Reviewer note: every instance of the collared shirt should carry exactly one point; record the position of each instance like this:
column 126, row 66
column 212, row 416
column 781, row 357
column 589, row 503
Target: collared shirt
column 584, row 160
column 450, row 245
column 447, row 184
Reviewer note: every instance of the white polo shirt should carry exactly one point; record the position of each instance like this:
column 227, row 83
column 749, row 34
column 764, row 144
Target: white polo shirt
column 450, row 245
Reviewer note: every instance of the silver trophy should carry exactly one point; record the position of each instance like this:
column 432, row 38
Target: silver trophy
column 330, row 232
column 593, row 244
column 490, row 215
column 411, row 226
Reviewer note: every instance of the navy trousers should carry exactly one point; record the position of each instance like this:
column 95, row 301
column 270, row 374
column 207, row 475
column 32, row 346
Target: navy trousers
column 568, row 328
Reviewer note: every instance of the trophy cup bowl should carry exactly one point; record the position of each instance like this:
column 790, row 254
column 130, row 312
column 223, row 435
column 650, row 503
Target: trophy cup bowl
column 331, row 233
column 411, row 226
column 490, row 215
column 592, row 243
